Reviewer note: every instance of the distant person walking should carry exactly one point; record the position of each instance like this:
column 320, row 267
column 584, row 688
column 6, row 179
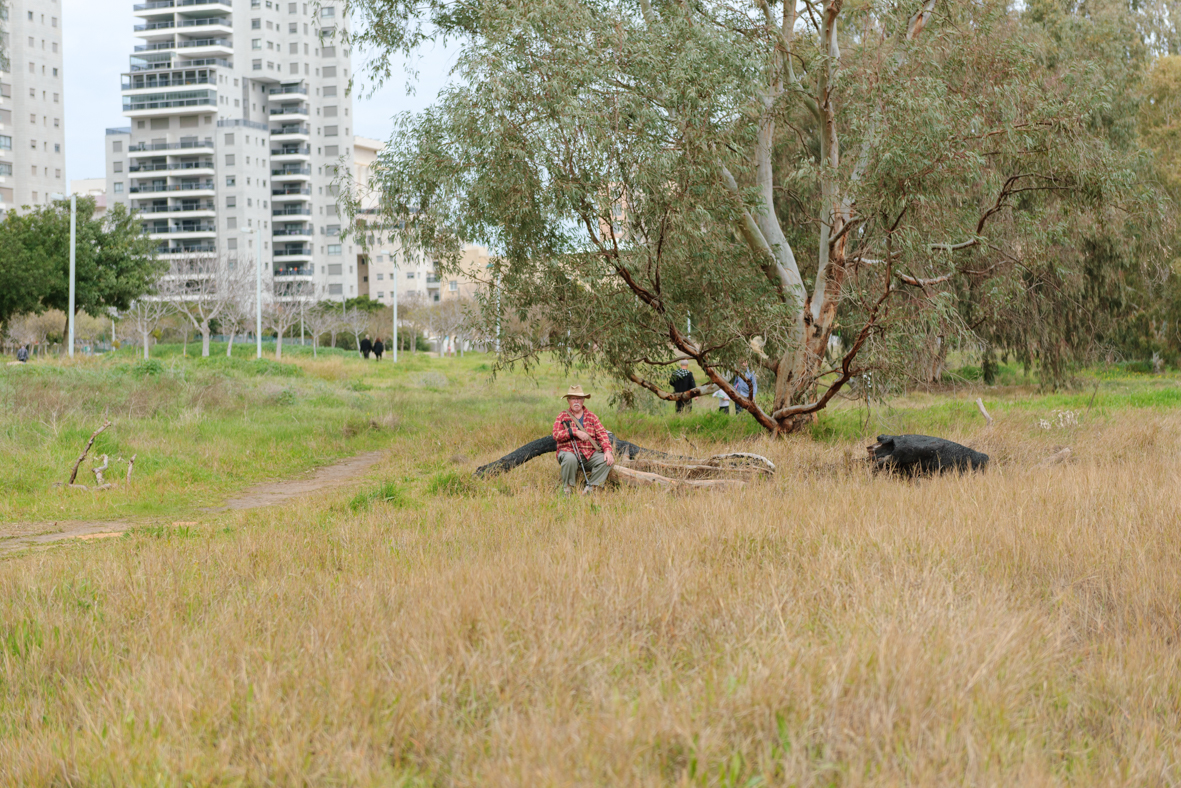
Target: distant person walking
column 22, row 355
column 366, row 346
column 577, row 429
column 682, row 380
column 378, row 349
column 746, row 383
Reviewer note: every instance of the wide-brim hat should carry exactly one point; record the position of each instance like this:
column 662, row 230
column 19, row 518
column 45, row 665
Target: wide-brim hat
column 576, row 391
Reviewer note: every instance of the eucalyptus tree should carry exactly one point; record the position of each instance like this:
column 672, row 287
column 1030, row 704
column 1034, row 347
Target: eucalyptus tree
column 728, row 180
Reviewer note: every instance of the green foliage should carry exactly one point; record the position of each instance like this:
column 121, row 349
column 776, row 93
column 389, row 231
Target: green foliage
column 388, row 493
column 364, row 303
column 115, row 259
column 148, row 366
column 639, row 168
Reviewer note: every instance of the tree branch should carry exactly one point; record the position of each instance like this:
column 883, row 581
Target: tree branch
column 919, row 19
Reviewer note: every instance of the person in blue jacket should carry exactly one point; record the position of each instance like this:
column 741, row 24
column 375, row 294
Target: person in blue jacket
column 746, row 383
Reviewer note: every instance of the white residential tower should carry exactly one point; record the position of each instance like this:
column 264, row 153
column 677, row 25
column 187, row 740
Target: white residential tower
column 238, row 118
column 32, row 116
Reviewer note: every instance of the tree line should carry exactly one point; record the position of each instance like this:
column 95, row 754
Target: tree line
column 827, row 190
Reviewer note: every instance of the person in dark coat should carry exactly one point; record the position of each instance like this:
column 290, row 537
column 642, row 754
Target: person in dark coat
column 682, row 380
column 378, row 349
column 366, row 346
column 22, row 355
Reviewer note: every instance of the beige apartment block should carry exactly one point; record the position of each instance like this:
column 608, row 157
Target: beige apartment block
column 32, row 116
column 92, row 187
column 387, row 268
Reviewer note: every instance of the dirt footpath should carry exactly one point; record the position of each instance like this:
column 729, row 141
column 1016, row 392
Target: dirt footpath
column 18, row 536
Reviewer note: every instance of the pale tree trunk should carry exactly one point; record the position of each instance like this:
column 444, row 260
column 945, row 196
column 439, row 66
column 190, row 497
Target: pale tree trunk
column 278, row 344
column 230, row 344
column 315, row 344
column 145, row 336
column 205, row 332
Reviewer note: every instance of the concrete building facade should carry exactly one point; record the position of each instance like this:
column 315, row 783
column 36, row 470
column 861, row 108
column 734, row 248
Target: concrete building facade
column 238, row 120
column 92, row 187
column 387, row 265
column 32, row 109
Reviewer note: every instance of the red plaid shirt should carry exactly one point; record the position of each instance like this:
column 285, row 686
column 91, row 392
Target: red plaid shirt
column 590, row 425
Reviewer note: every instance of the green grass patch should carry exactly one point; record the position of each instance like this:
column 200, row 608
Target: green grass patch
column 388, row 494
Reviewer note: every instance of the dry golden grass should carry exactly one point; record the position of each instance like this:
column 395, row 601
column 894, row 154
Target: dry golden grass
column 826, row 628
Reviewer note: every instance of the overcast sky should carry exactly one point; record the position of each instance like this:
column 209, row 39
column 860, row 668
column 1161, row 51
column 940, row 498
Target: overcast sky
column 97, row 40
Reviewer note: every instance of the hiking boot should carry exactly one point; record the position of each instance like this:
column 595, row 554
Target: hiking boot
column 567, row 489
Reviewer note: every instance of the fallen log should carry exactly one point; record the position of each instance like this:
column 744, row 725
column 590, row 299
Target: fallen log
column 625, row 475
column 914, row 455
column 548, row 445
column 697, row 471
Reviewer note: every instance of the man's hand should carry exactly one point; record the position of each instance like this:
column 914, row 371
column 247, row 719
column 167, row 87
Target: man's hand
column 608, row 457
column 582, row 436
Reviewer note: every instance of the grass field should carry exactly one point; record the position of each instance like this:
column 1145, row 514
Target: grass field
column 827, row 627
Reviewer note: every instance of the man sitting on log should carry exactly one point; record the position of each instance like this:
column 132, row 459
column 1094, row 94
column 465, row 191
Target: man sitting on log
column 581, row 436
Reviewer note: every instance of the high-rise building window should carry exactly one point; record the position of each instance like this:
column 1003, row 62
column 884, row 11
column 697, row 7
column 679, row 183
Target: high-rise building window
column 231, row 202
column 327, row 11
column 118, row 188
column 334, row 249
column 56, row 98
column 5, row 168
column 232, row 223
column 229, row 180
column 256, row 24
column 57, row 173
column 57, row 148
column 256, row 43
column 5, row 142
column 230, row 156
column 118, row 166
column 256, row 65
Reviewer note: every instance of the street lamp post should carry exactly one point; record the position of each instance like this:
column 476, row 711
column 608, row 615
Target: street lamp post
column 73, row 263
column 395, row 328
column 248, row 231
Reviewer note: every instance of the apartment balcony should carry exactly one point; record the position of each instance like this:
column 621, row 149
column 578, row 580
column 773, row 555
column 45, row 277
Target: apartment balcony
column 182, row 166
column 186, row 249
column 181, row 233
column 202, row 188
column 167, row 103
column 199, row 210
column 293, row 232
column 294, row 132
column 292, row 192
column 301, row 112
column 284, row 90
column 294, row 254
column 157, row 7
column 291, row 153
column 288, row 174
column 212, row 24
column 156, row 46
column 164, row 24
column 204, row 47
column 291, row 210
column 180, row 226
column 152, row 148
column 159, row 79
column 290, row 270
